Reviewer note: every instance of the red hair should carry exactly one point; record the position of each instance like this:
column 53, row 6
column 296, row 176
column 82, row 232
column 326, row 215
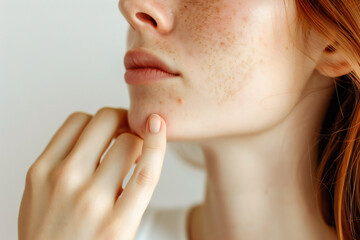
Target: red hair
column 338, row 163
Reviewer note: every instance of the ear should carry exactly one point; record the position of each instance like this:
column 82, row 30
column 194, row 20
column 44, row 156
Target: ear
column 332, row 63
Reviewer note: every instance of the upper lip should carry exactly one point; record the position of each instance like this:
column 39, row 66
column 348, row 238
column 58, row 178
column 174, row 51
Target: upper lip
column 140, row 59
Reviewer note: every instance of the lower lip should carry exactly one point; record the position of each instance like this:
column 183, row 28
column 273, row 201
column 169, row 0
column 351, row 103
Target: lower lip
column 140, row 76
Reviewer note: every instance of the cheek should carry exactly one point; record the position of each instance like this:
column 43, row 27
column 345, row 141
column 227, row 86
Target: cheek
column 239, row 57
column 208, row 25
column 222, row 45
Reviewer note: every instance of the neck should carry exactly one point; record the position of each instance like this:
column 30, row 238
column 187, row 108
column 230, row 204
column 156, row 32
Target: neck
column 262, row 186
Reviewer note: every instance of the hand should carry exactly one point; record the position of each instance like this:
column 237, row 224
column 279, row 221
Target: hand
column 70, row 195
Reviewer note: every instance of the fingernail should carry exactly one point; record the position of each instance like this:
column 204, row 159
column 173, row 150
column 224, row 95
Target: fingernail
column 154, row 123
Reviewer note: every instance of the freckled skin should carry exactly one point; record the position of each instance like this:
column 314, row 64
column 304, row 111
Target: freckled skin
column 212, row 36
column 237, row 63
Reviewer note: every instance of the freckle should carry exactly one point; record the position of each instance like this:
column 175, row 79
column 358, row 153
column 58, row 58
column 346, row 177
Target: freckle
column 180, row 101
column 217, row 9
column 161, row 102
column 344, row 64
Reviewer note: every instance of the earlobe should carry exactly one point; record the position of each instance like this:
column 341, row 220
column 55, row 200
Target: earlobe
column 332, row 63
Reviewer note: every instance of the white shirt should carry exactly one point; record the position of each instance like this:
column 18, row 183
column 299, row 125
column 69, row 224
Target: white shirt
column 163, row 224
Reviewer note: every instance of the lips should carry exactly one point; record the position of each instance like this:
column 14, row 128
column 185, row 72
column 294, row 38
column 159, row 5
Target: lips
column 135, row 59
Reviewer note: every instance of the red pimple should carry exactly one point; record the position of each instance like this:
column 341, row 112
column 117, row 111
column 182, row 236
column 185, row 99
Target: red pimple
column 180, row 100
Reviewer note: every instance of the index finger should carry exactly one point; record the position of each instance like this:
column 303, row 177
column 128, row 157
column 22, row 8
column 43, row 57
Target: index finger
column 134, row 199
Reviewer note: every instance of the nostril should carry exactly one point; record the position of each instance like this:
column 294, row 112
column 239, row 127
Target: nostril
column 146, row 18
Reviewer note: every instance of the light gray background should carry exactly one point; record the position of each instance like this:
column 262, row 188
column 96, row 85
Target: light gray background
column 57, row 57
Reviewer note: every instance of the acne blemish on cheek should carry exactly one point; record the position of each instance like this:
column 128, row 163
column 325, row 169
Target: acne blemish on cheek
column 180, row 101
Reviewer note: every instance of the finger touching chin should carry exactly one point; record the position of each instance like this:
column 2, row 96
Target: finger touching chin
column 137, row 120
column 137, row 123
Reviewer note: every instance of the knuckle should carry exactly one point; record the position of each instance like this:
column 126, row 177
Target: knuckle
column 35, row 174
column 154, row 151
column 107, row 111
column 78, row 115
column 145, row 177
column 153, row 148
column 64, row 179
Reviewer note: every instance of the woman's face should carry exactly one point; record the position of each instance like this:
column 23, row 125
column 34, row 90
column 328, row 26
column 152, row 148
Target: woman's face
column 240, row 70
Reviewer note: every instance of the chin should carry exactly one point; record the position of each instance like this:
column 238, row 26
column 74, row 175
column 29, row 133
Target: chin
column 137, row 123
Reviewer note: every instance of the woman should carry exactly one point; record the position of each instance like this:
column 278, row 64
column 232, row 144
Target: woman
column 268, row 89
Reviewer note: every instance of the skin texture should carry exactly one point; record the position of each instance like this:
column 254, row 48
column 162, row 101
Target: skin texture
column 253, row 101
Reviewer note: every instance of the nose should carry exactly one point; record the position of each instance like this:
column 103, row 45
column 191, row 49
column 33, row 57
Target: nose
column 153, row 15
